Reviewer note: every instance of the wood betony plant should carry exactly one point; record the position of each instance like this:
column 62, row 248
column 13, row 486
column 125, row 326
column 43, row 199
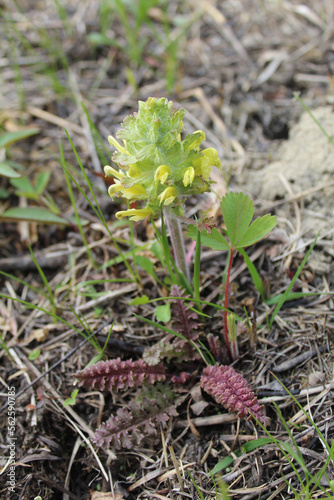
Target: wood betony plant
column 159, row 169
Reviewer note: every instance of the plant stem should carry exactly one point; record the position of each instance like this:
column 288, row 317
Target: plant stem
column 175, row 232
column 226, row 335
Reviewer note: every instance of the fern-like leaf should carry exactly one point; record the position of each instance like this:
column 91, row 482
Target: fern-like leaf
column 231, row 390
column 130, row 426
column 185, row 320
column 116, row 374
column 215, row 346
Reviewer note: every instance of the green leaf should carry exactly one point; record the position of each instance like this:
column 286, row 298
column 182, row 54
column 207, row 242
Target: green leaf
column 145, row 264
column 23, row 185
column 100, row 39
column 42, row 180
column 158, row 252
column 9, row 138
column 237, row 211
column 3, row 194
column 72, row 400
column 34, row 354
column 257, row 230
column 162, row 313
column 8, row 171
column 215, row 240
column 32, row 214
column 139, row 301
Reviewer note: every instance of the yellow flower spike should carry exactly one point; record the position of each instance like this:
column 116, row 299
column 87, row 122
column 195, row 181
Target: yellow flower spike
column 188, row 176
column 112, row 141
column 114, row 173
column 135, row 214
column 162, row 173
column 168, row 196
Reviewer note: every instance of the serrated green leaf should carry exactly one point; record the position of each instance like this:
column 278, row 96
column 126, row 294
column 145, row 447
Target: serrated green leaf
column 257, row 230
column 32, row 214
column 162, row 313
column 138, row 301
column 237, row 211
column 8, row 171
column 215, row 240
column 9, row 138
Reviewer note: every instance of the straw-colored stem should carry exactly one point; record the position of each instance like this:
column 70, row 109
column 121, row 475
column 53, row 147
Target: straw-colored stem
column 176, row 236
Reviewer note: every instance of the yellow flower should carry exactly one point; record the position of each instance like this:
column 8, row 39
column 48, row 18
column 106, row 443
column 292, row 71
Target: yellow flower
column 168, row 196
column 112, row 141
column 115, row 188
column 134, row 170
column 135, row 214
column 162, row 173
column 197, row 140
column 203, row 165
column 114, row 173
column 137, row 191
column 212, row 155
column 188, row 176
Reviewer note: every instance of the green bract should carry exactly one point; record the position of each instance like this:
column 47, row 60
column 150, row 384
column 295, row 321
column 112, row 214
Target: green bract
column 155, row 165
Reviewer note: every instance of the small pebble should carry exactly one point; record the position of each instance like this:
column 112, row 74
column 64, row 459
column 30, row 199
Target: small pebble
column 316, row 378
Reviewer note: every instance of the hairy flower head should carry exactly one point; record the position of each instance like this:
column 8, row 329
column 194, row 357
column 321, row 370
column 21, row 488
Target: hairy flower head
column 154, row 164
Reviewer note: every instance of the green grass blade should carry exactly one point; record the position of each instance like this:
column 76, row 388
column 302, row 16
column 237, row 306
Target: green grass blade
column 246, row 448
column 293, row 281
column 100, row 146
column 77, row 218
column 96, row 208
column 307, row 109
column 54, row 316
column 195, row 486
column 321, row 437
column 295, row 296
column 24, row 283
column 44, row 279
column 197, row 267
column 254, row 274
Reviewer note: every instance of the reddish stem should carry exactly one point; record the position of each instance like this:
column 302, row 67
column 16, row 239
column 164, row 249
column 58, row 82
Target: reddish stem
column 226, row 335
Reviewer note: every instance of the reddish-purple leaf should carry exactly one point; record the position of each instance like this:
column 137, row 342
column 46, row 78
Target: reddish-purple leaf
column 231, row 390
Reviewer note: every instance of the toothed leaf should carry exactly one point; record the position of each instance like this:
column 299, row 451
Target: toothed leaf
column 116, row 374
